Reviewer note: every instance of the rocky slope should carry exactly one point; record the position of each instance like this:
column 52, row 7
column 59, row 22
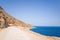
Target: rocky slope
column 9, row 20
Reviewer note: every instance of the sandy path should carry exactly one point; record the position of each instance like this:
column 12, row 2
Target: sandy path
column 13, row 33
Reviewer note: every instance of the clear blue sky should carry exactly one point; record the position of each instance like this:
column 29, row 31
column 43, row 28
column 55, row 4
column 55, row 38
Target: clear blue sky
column 35, row 12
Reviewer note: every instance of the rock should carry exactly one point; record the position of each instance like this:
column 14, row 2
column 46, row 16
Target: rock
column 8, row 19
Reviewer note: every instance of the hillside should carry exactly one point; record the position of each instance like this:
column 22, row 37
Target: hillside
column 10, row 20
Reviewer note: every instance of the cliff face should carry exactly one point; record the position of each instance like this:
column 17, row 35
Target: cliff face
column 8, row 20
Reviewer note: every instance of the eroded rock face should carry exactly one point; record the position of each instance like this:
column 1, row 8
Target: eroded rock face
column 2, row 20
column 6, row 19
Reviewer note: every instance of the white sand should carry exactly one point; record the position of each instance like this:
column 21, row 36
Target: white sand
column 13, row 33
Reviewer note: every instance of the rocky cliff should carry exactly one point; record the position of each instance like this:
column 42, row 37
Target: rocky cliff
column 8, row 20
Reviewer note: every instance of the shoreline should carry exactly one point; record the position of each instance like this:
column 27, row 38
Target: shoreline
column 15, row 33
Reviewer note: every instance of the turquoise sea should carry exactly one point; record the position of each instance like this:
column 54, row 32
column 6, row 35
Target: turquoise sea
column 47, row 30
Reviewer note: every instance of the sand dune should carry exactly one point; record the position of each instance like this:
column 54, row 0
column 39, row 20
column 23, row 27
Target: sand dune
column 14, row 33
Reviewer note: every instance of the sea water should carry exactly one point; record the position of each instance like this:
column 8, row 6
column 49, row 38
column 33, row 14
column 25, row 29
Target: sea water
column 47, row 30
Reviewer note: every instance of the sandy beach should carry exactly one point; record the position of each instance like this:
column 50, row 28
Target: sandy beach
column 14, row 33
